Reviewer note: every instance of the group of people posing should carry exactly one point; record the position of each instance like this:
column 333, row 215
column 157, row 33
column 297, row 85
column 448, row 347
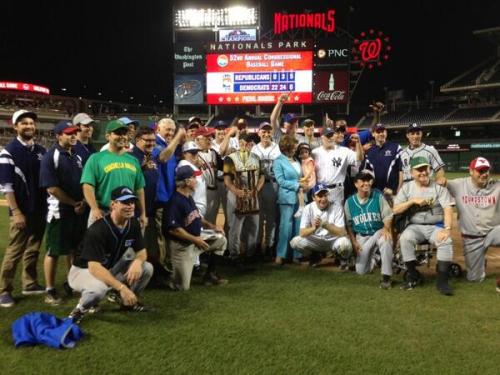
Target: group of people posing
column 143, row 209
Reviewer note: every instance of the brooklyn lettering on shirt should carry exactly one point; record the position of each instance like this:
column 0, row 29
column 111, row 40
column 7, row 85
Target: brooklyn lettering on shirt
column 367, row 217
column 479, row 200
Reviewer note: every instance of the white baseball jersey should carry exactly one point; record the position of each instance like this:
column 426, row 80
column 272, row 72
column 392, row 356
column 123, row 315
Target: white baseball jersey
column 331, row 165
column 429, row 152
column 478, row 209
column 267, row 156
column 333, row 214
column 208, row 161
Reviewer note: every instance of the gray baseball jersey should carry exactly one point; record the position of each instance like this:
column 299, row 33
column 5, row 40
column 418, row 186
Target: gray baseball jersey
column 429, row 152
column 478, row 209
column 437, row 195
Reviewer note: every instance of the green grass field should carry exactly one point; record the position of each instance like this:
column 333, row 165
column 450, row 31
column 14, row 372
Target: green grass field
column 276, row 321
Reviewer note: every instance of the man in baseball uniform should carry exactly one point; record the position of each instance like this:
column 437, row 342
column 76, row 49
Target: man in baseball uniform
column 430, row 211
column 477, row 199
column 368, row 224
column 332, row 160
column 416, row 148
column 322, row 228
column 267, row 151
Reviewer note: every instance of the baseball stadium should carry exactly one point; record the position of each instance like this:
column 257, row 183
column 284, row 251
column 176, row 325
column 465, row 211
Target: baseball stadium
column 279, row 189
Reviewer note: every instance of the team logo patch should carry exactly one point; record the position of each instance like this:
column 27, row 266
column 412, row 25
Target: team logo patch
column 388, row 153
column 129, row 243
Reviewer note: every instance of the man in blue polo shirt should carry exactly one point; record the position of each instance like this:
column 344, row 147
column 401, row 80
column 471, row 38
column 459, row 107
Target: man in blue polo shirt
column 19, row 170
column 60, row 173
column 84, row 147
column 383, row 158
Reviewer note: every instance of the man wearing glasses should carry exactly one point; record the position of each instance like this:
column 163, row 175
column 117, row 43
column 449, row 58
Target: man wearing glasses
column 478, row 204
column 383, row 159
column 332, row 161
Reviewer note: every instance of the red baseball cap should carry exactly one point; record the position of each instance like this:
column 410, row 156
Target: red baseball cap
column 203, row 131
column 479, row 164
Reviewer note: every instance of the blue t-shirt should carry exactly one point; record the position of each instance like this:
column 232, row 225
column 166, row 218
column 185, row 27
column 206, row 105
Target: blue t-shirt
column 61, row 169
column 166, row 180
column 181, row 212
column 385, row 163
column 84, row 151
column 151, row 173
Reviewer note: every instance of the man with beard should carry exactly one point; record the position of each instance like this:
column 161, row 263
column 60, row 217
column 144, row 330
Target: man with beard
column 60, row 173
column 267, row 151
column 477, row 200
column 109, row 169
column 19, row 182
column 430, row 211
column 84, row 147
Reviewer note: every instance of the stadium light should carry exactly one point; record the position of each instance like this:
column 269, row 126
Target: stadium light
column 210, row 18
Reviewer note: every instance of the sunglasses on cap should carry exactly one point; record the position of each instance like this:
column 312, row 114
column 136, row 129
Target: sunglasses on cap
column 340, row 129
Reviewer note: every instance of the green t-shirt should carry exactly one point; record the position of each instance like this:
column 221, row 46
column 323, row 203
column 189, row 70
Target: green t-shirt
column 106, row 171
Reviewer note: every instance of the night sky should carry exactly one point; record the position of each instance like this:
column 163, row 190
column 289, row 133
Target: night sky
column 124, row 48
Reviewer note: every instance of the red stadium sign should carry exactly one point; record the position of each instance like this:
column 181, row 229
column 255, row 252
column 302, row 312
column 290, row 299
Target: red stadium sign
column 324, row 21
column 21, row 86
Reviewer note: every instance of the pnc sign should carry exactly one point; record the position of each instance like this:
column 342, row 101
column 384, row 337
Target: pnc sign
column 324, row 21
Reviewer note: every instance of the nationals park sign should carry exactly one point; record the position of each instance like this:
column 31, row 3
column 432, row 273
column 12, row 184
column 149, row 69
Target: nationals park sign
column 288, row 21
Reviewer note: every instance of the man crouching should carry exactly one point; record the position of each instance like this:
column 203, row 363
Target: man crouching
column 111, row 256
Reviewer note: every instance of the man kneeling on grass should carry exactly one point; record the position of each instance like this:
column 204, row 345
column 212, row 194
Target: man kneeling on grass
column 322, row 228
column 111, row 256
column 369, row 219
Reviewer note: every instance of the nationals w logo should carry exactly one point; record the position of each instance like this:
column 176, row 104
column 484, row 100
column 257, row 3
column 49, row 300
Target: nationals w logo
column 337, row 162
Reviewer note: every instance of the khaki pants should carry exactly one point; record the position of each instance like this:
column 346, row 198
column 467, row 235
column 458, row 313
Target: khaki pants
column 24, row 243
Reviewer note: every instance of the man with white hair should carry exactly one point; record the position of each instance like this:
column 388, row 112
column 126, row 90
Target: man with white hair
column 322, row 228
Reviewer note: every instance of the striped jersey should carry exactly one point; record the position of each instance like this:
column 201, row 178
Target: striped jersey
column 429, row 152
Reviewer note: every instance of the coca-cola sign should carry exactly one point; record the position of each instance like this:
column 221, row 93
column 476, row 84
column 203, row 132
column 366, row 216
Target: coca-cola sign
column 331, row 86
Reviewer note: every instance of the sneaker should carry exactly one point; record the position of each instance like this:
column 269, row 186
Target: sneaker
column 67, row 289
column 409, row 285
column 94, row 309
column 77, row 315
column 386, row 284
column 34, row 289
column 52, row 298
column 138, row 307
column 214, row 280
column 298, row 213
column 114, row 297
column 6, row 300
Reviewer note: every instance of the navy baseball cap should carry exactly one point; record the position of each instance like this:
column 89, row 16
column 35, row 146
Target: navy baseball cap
column 290, row 117
column 128, row 121
column 183, row 173
column 65, row 127
column 378, row 126
column 327, row 131
column 364, row 175
column 122, row 194
column 220, row 124
column 414, row 128
column 318, row 188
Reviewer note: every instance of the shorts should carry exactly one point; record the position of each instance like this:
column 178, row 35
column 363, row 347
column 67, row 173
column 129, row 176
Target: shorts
column 64, row 235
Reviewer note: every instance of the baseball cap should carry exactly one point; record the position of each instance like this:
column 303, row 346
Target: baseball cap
column 418, row 161
column 479, row 164
column 194, row 119
column 414, row 128
column 318, row 188
column 220, row 124
column 327, row 131
column 364, row 175
column 114, row 125
column 65, row 127
column 303, row 145
column 205, row 132
column 190, row 147
column 128, row 121
column 265, row 124
column 192, row 125
column 290, row 117
column 19, row 115
column 82, row 118
column 122, row 193
column 378, row 126
column 183, row 173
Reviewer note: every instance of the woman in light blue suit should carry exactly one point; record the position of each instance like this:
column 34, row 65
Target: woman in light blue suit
column 287, row 172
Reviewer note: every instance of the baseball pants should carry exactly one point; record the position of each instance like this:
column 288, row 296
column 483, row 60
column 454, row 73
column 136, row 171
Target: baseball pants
column 213, row 204
column 310, row 244
column 415, row 234
column 268, row 213
column 93, row 290
column 475, row 253
column 368, row 245
column 236, row 222
column 336, row 194
column 184, row 256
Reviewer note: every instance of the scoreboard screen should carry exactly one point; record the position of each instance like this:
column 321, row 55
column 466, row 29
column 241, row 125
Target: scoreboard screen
column 259, row 77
